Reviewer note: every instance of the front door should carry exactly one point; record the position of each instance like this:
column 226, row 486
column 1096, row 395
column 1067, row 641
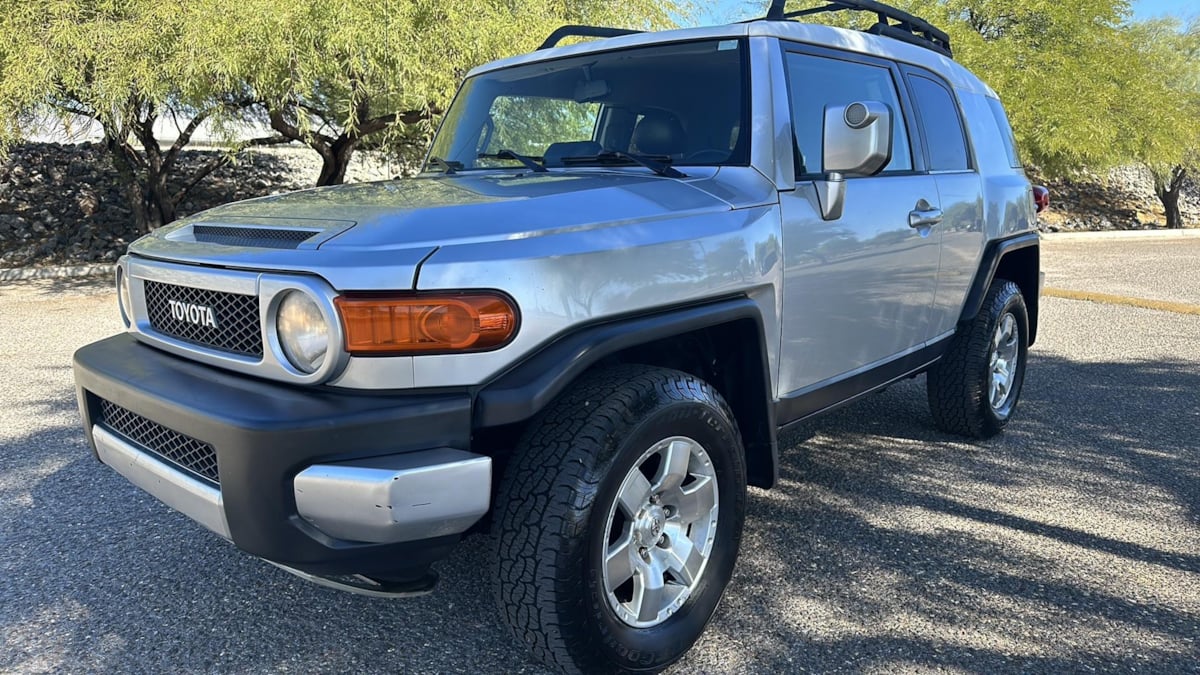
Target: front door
column 858, row 290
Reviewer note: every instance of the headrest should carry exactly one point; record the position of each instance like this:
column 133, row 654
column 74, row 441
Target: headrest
column 659, row 133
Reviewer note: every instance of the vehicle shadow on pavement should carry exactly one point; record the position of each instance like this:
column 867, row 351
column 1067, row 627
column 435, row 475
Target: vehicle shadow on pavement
column 1069, row 542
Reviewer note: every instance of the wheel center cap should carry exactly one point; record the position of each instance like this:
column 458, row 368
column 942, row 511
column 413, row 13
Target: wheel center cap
column 649, row 525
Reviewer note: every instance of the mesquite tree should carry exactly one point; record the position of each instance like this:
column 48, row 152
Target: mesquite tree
column 128, row 67
column 337, row 75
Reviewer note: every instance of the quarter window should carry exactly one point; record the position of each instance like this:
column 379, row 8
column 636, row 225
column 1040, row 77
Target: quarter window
column 815, row 82
column 943, row 125
column 1006, row 133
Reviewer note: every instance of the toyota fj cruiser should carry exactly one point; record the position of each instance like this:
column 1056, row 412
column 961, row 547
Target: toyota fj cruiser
column 629, row 263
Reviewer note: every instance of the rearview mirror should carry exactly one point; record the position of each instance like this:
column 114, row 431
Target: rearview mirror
column 856, row 142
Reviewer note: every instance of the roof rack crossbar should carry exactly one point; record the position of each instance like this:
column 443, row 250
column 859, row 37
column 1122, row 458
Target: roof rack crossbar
column 911, row 29
column 585, row 31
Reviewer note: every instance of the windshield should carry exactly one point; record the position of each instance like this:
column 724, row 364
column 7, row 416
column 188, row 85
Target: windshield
column 682, row 104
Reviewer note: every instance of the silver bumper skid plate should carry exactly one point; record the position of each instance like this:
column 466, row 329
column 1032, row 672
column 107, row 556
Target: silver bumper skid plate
column 416, row 495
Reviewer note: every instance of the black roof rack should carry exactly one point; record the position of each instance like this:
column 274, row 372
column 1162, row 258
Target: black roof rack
column 585, row 31
column 910, row 29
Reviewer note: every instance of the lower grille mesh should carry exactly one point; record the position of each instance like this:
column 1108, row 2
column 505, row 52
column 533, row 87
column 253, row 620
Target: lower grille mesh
column 195, row 456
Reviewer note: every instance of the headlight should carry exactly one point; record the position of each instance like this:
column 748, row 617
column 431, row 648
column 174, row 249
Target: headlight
column 124, row 298
column 303, row 331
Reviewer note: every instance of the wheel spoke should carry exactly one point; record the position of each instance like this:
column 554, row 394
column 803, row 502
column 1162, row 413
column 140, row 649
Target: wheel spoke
column 696, row 501
column 649, row 592
column 684, row 559
column 674, row 471
column 635, row 493
column 618, row 561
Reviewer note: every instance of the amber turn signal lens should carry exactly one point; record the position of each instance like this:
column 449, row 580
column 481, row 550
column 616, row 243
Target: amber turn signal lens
column 426, row 324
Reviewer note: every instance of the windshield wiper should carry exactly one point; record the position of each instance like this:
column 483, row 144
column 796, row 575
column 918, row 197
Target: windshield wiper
column 529, row 162
column 448, row 168
column 659, row 164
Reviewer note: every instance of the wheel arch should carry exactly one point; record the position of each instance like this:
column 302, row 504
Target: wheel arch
column 721, row 342
column 1017, row 259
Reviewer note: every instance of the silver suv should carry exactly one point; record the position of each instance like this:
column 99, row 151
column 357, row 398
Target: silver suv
column 629, row 264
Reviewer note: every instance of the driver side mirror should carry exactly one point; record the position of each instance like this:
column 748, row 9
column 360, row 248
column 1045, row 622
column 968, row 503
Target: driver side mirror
column 857, row 142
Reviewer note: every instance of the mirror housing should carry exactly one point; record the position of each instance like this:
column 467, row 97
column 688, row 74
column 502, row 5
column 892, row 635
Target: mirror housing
column 857, row 142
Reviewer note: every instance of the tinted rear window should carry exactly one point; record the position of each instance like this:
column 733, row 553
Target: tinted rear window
column 943, row 125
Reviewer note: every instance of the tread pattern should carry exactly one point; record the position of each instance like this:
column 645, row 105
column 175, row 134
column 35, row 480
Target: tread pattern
column 542, row 506
column 956, row 384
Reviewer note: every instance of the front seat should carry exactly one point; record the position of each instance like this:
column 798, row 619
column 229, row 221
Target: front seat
column 659, row 133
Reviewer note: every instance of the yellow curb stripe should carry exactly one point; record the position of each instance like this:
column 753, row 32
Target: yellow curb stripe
column 1161, row 305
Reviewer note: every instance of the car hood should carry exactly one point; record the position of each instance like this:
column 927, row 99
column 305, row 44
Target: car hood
column 398, row 223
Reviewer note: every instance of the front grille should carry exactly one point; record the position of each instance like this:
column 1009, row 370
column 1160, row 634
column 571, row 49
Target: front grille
column 256, row 237
column 233, row 325
column 196, row 457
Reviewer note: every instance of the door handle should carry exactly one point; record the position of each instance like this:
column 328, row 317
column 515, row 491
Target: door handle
column 924, row 215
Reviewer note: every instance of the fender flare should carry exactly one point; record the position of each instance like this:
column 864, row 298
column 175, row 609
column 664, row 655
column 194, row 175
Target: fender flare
column 527, row 387
column 989, row 263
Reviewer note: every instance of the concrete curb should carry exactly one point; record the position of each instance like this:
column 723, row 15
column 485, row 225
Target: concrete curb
column 1118, row 235
column 67, row 272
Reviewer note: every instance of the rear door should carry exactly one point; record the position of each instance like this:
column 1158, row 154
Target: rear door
column 954, row 169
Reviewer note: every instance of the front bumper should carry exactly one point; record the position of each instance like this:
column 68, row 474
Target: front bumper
column 326, row 482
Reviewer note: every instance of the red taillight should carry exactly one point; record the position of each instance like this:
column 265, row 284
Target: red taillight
column 1041, row 198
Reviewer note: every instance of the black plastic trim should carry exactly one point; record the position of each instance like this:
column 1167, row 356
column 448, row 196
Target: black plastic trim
column 525, row 389
column 828, row 397
column 585, row 31
column 264, row 433
column 988, row 264
column 911, row 29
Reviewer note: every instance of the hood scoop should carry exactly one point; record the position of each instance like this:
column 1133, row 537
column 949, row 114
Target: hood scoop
column 289, row 234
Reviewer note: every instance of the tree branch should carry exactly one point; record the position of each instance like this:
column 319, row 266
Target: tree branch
column 222, row 160
column 185, row 137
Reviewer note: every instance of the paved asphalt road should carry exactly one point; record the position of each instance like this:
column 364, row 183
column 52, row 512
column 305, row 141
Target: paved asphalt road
column 1070, row 543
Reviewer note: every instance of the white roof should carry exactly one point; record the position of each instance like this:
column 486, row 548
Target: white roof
column 809, row 33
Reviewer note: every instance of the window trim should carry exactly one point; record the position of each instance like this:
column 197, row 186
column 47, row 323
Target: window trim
column 911, row 71
column 907, row 107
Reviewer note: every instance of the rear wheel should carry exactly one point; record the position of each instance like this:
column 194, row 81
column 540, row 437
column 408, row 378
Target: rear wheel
column 619, row 520
column 973, row 390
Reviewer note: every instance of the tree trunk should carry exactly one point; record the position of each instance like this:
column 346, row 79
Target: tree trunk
column 335, row 159
column 1168, row 193
column 129, row 166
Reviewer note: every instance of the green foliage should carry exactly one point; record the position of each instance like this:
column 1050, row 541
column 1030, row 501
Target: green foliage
column 1084, row 86
column 331, row 72
column 126, row 64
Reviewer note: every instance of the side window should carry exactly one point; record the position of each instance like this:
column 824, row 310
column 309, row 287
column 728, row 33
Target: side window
column 943, row 125
column 815, row 82
column 1006, row 133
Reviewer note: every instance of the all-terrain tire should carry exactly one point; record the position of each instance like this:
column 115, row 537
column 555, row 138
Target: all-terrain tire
column 555, row 507
column 959, row 385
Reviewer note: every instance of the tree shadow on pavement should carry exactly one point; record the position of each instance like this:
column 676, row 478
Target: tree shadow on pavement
column 1067, row 543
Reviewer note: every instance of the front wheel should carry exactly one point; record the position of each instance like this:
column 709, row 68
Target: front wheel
column 974, row 388
column 619, row 520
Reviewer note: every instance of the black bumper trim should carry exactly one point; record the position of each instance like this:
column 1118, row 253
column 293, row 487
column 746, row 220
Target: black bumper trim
column 264, row 433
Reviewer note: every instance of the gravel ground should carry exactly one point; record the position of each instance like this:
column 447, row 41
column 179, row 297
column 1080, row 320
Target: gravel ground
column 1070, row 543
